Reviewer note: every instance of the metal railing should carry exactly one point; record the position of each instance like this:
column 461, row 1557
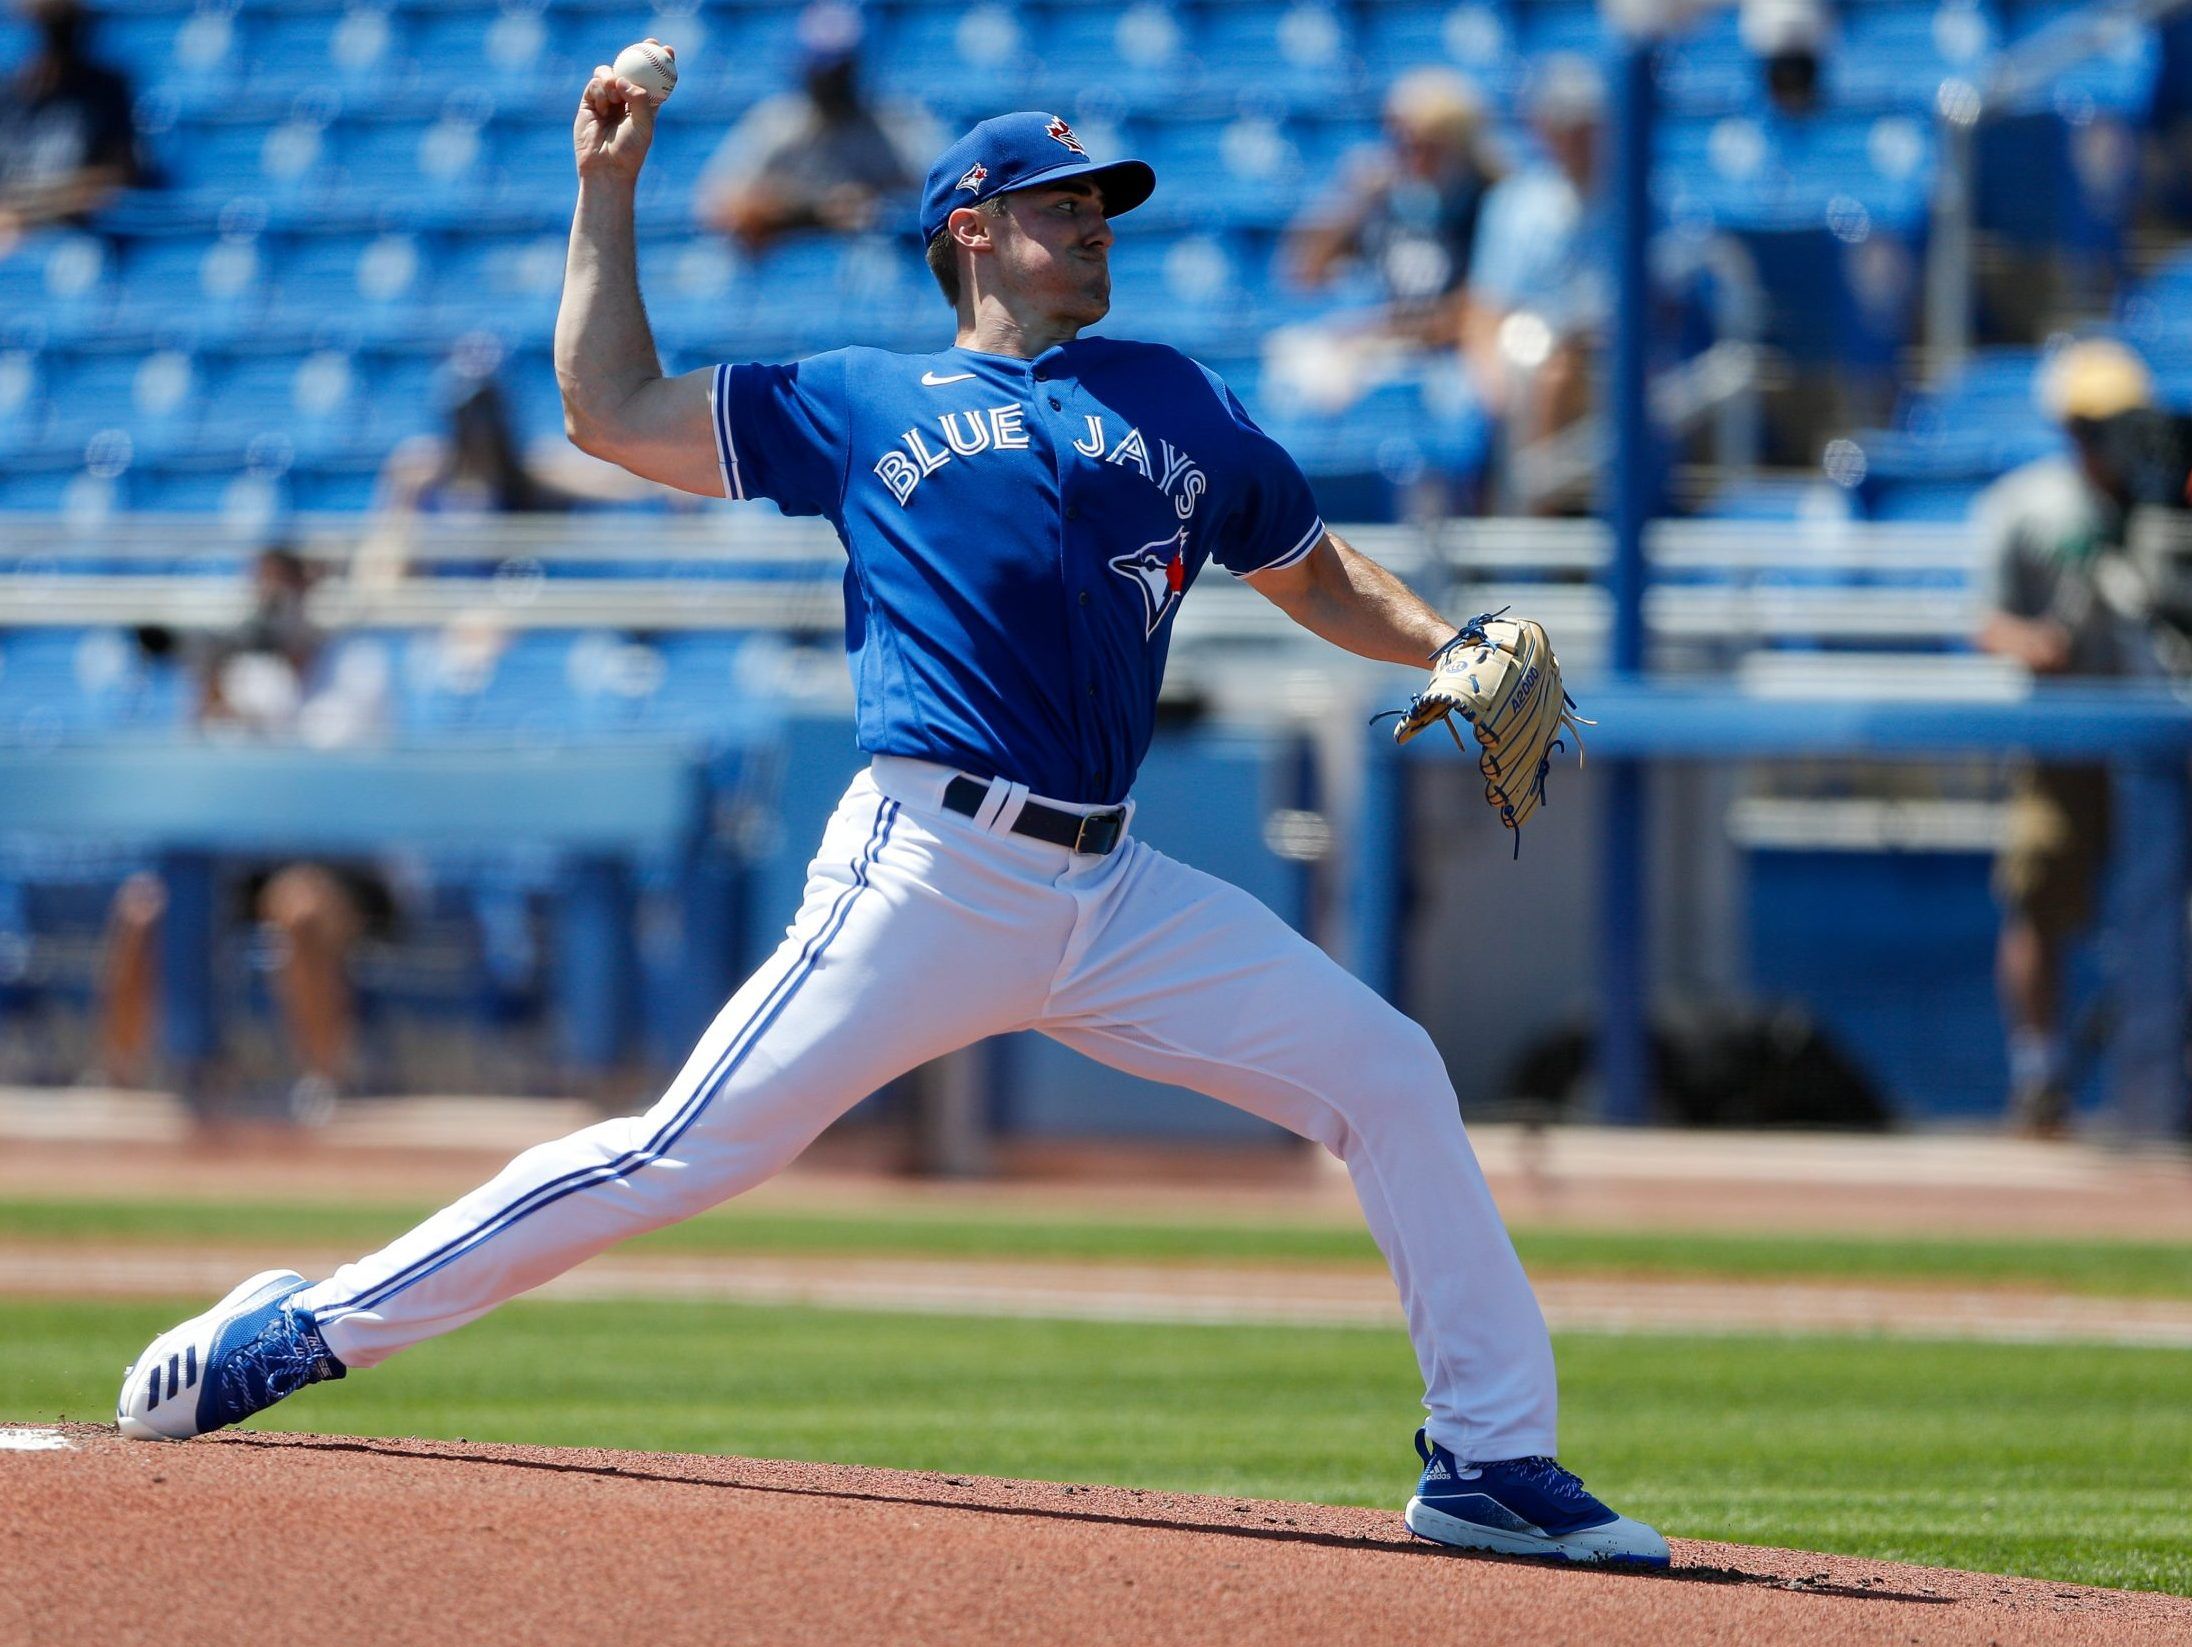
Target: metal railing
column 1723, row 586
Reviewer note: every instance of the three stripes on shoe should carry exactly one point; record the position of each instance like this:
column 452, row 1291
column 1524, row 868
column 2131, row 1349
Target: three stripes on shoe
column 186, row 1364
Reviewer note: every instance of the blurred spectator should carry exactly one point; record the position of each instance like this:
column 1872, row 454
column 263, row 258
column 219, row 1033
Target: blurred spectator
column 1408, row 209
column 1538, row 282
column 473, row 468
column 822, row 157
column 2046, row 526
column 1787, row 37
column 68, row 139
column 266, row 678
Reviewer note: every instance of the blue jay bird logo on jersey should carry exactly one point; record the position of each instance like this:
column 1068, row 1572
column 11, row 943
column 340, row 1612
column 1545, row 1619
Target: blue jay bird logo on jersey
column 1159, row 571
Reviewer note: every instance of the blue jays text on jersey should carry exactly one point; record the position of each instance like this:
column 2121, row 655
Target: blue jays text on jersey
column 1019, row 535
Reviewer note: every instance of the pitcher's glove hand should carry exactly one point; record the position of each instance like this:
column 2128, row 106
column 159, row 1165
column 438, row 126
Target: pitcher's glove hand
column 1502, row 677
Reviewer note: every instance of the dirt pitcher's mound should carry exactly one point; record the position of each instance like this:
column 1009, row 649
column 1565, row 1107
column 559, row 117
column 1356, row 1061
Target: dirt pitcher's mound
column 248, row 1537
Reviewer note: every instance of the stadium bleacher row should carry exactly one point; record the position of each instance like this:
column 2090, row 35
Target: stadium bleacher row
column 344, row 190
column 1147, row 56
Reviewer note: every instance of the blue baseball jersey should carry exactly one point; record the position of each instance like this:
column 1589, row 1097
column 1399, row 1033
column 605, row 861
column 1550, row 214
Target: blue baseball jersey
column 1020, row 534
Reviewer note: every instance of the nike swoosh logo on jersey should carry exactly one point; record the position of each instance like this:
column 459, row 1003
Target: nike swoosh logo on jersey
column 931, row 380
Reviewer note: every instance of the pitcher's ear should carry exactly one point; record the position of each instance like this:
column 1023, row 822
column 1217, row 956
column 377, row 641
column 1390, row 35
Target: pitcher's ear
column 968, row 227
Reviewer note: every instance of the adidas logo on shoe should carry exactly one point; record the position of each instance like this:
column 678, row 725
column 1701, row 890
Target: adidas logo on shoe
column 185, row 1364
column 1438, row 1471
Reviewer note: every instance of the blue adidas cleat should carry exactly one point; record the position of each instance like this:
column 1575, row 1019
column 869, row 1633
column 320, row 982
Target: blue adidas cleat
column 216, row 1369
column 1523, row 1507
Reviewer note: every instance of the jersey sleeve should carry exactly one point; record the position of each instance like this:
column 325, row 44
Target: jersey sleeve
column 781, row 433
column 1273, row 521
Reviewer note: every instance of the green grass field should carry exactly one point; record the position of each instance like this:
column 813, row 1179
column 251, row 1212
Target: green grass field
column 2121, row 1269
column 2061, row 1463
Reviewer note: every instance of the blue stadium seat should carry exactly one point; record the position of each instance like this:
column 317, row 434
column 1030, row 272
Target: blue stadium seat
column 513, row 46
column 419, row 173
column 363, row 287
column 17, row 38
column 1250, row 170
column 195, row 56
column 1543, row 26
column 1192, row 291
column 1706, row 69
column 22, row 400
column 208, row 289
column 511, row 283
column 1427, row 415
column 362, row 51
column 316, row 402
column 60, row 277
column 1963, row 432
column 1303, row 54
column 701, row 689
column 983, row 53
column 209, row 162
column 1777, row 500
column 403, row 393
column 1895, row 57
column 1213, row 294
column 615, row 683
column 1851, row 175
column 522, row 688
column 320, row 489
column 70, row 683
column 533, row 158
column 153, row 396
column 534, row 399
column 221, row 484
column 695, row 285
column 50, row 490
column 812, row 292
column 1476, row 37
column 1138, row 56
column 1923, row 500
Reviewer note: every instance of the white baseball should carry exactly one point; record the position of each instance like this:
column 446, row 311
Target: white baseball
column 650, row 64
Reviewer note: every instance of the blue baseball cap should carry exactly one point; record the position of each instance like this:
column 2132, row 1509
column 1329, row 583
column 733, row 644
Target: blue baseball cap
column 1021, row 151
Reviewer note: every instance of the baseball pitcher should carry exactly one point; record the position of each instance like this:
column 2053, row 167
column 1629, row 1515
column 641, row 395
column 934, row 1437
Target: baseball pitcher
column 1023, row 513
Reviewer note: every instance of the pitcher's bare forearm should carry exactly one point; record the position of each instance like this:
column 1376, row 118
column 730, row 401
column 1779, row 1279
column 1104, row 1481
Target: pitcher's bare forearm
column 616, row 402
column 604, row 349
column 1344, row 596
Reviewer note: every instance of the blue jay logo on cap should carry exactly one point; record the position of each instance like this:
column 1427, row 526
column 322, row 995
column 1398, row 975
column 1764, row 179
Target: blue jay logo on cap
column 1064, row 134
column 972, row 181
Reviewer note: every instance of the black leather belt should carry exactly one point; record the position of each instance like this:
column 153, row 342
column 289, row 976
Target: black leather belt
column 1093, row 832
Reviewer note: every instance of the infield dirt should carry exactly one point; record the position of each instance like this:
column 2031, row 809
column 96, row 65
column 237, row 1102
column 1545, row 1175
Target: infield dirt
column 334, row 1540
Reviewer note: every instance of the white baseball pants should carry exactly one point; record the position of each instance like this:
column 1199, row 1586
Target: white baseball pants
column 922, row 931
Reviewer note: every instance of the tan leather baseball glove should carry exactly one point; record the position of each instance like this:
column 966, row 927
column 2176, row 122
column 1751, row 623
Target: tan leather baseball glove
column 1502, row 677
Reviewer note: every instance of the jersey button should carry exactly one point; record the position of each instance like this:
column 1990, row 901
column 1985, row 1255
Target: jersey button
column 1092, row 689
column 1084, row 597
column 1073, row 511
column 1056, row 404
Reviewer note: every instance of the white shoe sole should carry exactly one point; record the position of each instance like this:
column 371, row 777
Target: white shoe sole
column 1619, row 1542
column 179, row 1357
